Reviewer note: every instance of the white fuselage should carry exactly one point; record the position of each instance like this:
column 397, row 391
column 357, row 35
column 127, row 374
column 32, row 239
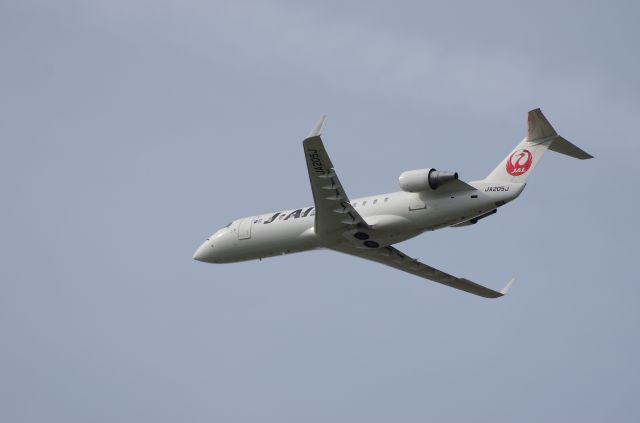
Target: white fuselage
column 394, row 217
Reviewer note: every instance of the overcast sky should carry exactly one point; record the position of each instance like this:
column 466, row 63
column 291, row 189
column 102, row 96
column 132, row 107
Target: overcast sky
column 132, row 130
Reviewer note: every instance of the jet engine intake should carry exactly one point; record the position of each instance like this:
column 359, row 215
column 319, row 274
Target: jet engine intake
column 425, row 179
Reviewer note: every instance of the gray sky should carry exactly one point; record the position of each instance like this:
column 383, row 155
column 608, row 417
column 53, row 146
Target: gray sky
column 131, row 130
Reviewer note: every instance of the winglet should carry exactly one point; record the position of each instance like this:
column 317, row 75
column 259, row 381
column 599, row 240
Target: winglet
column 317, row 130
column 506, row 289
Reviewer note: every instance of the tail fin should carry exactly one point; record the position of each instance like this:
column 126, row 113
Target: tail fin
column 541, row 136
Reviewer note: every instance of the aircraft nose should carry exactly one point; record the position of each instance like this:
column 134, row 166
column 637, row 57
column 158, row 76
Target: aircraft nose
column 204, row 252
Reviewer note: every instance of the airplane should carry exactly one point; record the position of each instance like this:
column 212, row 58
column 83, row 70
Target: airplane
column 368, row 227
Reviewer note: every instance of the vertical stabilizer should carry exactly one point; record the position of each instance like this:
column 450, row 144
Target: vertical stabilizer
column 541, row 136
column 538, row 127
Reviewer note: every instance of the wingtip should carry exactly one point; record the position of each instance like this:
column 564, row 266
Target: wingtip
column 506, row 289
column 317, row 130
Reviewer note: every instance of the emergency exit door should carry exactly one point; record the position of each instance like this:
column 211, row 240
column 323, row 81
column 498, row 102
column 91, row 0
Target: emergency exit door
column 417, row 203
column 244, row 229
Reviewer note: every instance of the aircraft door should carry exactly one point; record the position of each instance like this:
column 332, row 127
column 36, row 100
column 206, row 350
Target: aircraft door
column 244, row 228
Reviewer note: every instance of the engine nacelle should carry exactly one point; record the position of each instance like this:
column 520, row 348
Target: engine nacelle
column 425, row 179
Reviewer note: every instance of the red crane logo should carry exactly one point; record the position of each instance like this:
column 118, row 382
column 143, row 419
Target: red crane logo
column 519, row 162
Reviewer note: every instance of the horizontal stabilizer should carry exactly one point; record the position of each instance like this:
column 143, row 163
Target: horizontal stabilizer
column 562, row 146
column 539, row 129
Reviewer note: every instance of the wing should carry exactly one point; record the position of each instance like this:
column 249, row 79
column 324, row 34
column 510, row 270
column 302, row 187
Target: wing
column 337, row 219
column 393, row 257
column 334, row 214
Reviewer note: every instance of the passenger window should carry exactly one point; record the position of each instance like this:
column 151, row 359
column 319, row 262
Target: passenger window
column 364, row 203
column 386, row 199
column 375, row 201
column 355, row 204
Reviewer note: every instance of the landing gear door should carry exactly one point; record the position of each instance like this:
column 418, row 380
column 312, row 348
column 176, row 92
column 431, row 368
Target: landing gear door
column 244, row 228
